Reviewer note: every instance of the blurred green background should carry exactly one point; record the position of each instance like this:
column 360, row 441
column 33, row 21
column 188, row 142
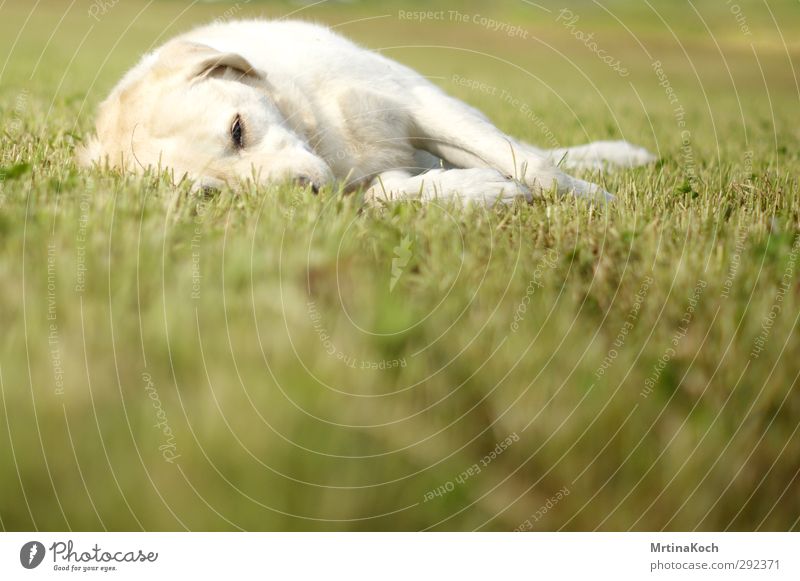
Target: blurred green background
column 245, row 361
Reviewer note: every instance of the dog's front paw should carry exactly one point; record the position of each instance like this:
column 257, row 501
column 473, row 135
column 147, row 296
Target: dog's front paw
column 589, row 191
column 489, row 187
column 476, row 185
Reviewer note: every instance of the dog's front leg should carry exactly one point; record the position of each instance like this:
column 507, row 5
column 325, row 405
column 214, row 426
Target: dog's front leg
column 464, row 137
column 479, row 185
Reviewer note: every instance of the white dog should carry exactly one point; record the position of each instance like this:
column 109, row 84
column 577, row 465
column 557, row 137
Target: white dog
column 283, row 100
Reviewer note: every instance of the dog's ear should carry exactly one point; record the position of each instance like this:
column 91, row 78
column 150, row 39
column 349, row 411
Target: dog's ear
column 200, row 61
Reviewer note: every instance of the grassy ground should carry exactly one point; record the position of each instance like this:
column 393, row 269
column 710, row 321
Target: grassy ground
column 263, row 359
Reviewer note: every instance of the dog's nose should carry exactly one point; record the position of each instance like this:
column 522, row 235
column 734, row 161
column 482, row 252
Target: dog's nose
column 307, row 182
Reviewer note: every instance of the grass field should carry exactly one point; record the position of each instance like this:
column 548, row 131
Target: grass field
column 264, row 359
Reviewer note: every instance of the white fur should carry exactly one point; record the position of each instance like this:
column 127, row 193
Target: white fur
column 318, row 108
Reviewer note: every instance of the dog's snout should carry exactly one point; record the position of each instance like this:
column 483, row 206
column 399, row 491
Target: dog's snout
column 307, row 183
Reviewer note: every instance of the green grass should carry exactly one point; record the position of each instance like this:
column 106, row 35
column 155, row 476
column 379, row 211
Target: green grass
column 246, row 318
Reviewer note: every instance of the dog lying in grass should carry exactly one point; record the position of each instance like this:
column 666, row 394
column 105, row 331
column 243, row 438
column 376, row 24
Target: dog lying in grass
column 283, row 100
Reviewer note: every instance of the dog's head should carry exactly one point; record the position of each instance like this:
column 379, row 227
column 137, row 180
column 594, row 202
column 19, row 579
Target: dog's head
column 205, row 114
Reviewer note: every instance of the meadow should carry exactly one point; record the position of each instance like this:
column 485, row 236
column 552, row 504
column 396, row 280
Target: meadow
column 265, row 359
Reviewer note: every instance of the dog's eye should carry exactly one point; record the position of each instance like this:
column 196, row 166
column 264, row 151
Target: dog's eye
column 237, row 132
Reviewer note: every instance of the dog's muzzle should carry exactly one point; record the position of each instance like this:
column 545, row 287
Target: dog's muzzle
column 306, row 182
